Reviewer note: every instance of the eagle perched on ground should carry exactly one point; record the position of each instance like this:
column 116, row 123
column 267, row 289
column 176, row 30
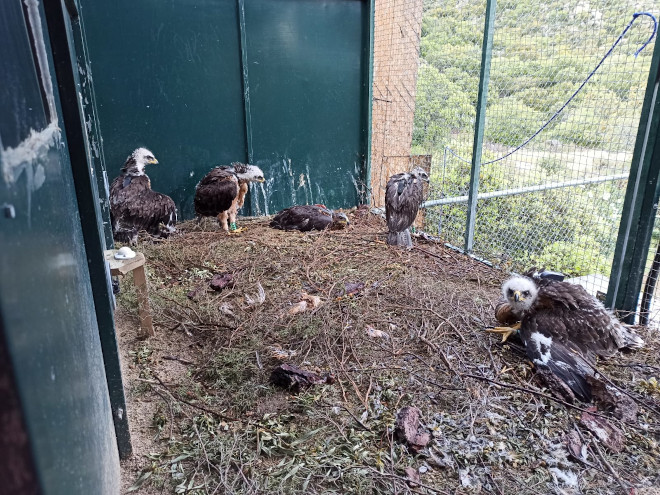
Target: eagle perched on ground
column 403, row 195
column 563, row 327
column 309, row 217
column 134, row 206
column 221, row 193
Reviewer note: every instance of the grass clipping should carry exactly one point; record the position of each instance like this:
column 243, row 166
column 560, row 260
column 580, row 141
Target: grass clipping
column 396, row 328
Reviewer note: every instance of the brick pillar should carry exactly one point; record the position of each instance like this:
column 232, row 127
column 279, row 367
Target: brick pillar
column 397, row 30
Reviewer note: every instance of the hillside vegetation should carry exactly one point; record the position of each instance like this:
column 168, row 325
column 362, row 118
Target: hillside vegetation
column 542, row 53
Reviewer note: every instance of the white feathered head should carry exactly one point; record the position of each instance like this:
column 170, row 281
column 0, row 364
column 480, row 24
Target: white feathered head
column 520, row 292
column 248, row 173
column 136, row 161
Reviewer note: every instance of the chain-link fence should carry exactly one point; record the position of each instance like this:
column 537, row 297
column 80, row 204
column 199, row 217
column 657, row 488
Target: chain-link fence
column 557, row 200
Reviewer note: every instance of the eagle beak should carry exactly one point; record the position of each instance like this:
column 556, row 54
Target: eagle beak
column 261, row 179
column 517, row 297
column 154, row 161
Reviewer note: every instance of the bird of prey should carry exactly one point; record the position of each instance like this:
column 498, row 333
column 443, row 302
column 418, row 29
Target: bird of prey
column 221, row 193
column 134, row 206
column 563, row 327
column 309, row 217
column 403, row 195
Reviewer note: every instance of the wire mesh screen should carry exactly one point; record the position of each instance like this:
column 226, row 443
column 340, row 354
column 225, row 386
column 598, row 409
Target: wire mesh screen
column 447, row 87
column 580, row 161
column 557, row 200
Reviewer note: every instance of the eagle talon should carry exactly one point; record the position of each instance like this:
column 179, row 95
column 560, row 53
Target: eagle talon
column 233, row 229
column 505, row 331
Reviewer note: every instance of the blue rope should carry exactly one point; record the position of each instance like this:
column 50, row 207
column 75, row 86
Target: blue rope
column 609, row 52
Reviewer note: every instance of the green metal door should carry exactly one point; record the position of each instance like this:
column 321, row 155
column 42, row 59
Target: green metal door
column 280, row 83
column 306, row 68
column 47, row 310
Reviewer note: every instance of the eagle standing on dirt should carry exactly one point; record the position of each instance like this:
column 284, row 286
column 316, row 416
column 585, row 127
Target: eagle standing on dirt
column 563, row 327
column 222, row 192
column 309, row 217
column 403, row 195
column 134, row 206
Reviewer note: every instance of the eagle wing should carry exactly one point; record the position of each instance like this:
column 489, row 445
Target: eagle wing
column 567, row 329
column 403, row 195
column 303, row 218
column 134, row 206
column 561, row 358
column 576, row 316
column 216, row 192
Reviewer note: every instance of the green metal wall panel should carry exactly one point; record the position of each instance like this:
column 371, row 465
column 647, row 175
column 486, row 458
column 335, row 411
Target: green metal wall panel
column 46, row 301
column 307, row 70
column 283, row 83
column 77, row 114
column 93, row 142
column 166, row 76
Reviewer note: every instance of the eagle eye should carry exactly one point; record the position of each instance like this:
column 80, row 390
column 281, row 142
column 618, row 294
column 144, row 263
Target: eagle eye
column 510, row 292
column 526, row 293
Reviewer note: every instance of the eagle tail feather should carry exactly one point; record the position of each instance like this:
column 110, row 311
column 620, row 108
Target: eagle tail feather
column 400, row 239
column 572, row 369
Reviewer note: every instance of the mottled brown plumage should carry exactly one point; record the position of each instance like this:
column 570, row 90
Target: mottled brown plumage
column 309, row 217
column 222, row 192
column 134, row 206
column 403, row 196
column 563, row 328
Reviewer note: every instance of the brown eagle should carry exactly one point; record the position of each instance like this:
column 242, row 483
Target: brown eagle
column 134, row 206
column 563, row 327
column 221, row 193
column 403, row 195
column 309, row 217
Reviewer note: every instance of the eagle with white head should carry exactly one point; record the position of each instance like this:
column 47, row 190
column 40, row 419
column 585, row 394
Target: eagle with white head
column 134, row 206
column 221, row 193
column 403, row 196
column 563, row 327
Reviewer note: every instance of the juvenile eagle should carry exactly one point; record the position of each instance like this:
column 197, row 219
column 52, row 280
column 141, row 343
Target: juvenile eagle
column 563, row 327
column 221, row 192
column 403, row 195
column 309, row 217
column 134, row 206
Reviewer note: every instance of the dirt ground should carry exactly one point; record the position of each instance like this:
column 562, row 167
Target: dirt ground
column 394, row 328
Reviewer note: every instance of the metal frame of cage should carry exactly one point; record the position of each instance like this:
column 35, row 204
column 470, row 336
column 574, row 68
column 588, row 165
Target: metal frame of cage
column 630, row 249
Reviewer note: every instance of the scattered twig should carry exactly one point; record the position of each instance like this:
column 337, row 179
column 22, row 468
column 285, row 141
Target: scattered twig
column 174, row 358
column 600, row 375
column 635, row 365
column 169, row 406
column 622, row 484
column 362, row 425
column 196, row 406
column 549, row 397
column 401, row 478
column 145, row 380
